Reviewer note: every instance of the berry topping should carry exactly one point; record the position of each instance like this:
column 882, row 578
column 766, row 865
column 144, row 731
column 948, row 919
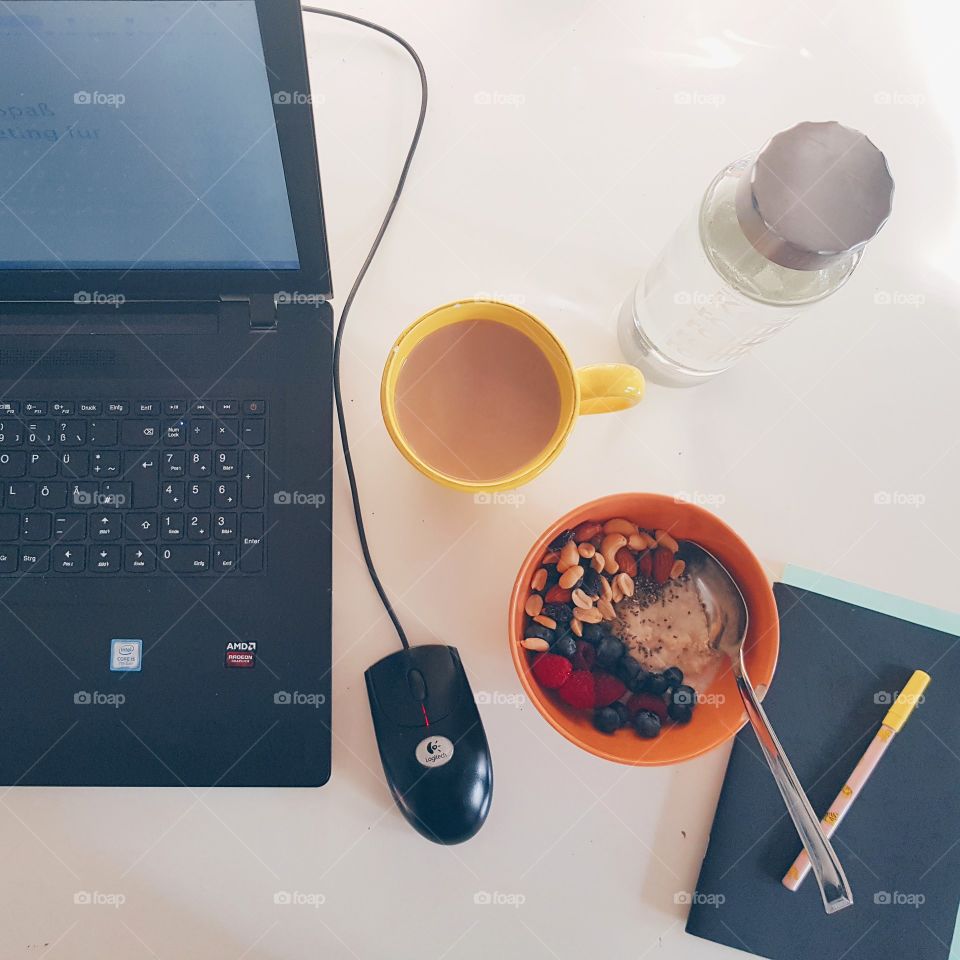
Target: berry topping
column 673, row 676
column 538, row 631
column 585, row 657
column 680, row 712
column 656, row 683
column 607, row 689
column 561, row 540
column 606, row 720
column 552, row 671
column 684, row 696
column 609, row 651
column 647, row 701
column 565, row 645
column 578, row 690
column 647, row 724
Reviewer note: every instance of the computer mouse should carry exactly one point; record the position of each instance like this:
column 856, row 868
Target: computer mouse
column 432, row 744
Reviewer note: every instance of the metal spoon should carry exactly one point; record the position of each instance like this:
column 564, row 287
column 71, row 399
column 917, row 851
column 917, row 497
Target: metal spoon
column 727, row 616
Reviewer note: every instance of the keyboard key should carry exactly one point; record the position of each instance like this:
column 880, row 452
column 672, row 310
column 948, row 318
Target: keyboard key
column 172, row 495
column 43, row 463
column 252, row 480
column 70, row 526
column 35, row 408
column 175, row 434
column 139, row 559
column 171, row 526
column 198, row 526
column 139, row 433
column 104, row 557
column 227, row 408
column 225, row 494
column 21, row 495
column 174, row 408
column 40, row 433
column 84, row 494
column 141, row 526
column 117, row 408
column 102, row 433
column 71, row 433
column 62, row 408
column 198, row 495
column 224, row 559
column 9, row 527
column 69, row 558
column 34, row 559
column 254, row 432
column 201, row 408
column 75, row 464
column 89, row 408
column 147, row 408
column 8, row 559
column 174, row 463
column 201, row 433
column 117, row 494
column 225, row 463
column 251, row 542
column 226, row 432
column 143, row 471
column 52, row 496
column 106, row 526
column 254, row 408
column 11, row 433
column 35, row 526
column 224, row 526
column 201, row 463
column 13, row 464
column 106, row 463
column 9, row 406
column 184, row 558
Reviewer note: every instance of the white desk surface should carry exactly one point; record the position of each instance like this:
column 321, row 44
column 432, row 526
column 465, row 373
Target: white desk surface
column 605, row 121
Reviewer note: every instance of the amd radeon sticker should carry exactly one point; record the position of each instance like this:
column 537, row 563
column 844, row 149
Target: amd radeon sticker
column 241, row 653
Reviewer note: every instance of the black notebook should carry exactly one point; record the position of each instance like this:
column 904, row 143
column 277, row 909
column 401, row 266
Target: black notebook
column 841, row 663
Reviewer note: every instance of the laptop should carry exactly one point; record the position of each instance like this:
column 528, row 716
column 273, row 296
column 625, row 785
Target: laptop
column 165, row 397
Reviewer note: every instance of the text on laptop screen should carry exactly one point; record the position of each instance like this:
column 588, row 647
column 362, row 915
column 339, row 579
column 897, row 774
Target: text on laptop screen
column 139, row 136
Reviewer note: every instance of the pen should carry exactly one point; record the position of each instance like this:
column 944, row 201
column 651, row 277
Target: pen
column 893, row 722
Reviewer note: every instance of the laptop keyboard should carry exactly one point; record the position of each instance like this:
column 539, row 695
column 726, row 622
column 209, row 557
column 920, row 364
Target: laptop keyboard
column 138, row 488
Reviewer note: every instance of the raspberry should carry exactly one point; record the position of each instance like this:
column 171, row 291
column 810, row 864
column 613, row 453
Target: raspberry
column 585, row 656
column 578, row 691
column 551, row 670
column 647, row 701
column 607, row 689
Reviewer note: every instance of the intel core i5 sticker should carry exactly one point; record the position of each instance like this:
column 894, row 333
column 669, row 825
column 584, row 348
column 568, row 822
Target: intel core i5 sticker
column 241, row 653
column 126, row 655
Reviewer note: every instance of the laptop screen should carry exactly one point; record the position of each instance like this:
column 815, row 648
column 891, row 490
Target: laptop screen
column 139, row 136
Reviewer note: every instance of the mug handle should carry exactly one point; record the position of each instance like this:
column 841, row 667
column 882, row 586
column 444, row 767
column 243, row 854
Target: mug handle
column 608, row 387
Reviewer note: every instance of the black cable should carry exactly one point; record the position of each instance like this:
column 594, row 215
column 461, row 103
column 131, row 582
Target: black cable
column 338, row 340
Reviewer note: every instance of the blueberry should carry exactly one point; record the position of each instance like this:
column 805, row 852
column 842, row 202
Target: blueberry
column 639, row 683
column 673, row 676
column 538, row 631
column 594, row 632
column 647, row 724
column 609, row 651
column 627, row 668
column 684, row 696
column 656, row 684
column 565, row 645
column 606, row 720
column 622, row 711
column 680, row 712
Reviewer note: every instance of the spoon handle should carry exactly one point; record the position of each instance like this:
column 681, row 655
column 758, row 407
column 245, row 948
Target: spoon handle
column 826, row 866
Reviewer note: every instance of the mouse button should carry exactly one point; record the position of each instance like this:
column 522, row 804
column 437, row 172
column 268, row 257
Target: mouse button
column 418, row 686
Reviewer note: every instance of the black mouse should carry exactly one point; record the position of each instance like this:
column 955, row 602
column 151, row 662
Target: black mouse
column 432, row 744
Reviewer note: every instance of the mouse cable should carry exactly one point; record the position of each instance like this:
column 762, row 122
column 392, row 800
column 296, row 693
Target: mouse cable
column 348, row 303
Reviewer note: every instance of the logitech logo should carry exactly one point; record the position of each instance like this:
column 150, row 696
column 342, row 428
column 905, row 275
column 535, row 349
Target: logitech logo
column 298, row 699
column 97, row 699
column 434, row 751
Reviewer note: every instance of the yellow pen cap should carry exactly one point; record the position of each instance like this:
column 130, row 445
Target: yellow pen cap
column 907, row 699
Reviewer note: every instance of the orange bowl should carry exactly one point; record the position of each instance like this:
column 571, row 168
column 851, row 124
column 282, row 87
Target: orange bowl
column 720, row 715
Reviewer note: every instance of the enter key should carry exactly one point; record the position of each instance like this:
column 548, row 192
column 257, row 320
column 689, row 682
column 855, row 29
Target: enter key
column 251, row 542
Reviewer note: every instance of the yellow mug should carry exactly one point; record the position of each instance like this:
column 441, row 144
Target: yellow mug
column 599, row 388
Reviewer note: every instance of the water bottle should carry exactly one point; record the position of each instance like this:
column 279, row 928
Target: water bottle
column 776, row 232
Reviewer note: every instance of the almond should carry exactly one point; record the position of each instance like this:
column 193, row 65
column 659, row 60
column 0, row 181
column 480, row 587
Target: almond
column 586, row 530
column 557, row 594
column 662, row 564
column 626, row 561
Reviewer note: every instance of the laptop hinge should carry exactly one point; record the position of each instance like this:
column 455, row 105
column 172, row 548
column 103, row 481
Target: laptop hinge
column 262, row 309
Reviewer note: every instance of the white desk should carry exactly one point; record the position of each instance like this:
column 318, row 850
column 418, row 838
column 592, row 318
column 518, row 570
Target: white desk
column 607, row 119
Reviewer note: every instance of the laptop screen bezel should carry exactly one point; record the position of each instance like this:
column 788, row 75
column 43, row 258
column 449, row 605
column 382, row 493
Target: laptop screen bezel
column 281, row 30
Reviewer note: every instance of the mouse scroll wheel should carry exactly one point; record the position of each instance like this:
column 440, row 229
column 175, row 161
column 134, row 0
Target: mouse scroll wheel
column 418, row 686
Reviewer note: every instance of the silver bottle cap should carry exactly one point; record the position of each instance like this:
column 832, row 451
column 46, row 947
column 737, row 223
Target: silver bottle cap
column 815, row 193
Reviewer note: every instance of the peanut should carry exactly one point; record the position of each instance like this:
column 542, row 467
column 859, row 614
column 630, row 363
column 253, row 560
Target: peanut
column 539, row 580
column 551, row 556
column 606, row 609
column 617, row 593
column 576, row 628
column 547, row 622
column 677, row 569
column 612, row 542
column 569, row 555
column 606, row 591
column 581, row 599
column 534, row 604
column 535, row 644
column 619, row 525
column 641, row 541
column 571, row 577
column 591, row 615
column 587, row 550
column 665, row 540
column 625, row 584
column 597, row 562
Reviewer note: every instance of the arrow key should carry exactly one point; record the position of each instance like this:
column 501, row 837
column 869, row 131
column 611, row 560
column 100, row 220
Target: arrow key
column 104, row 558
column 68, row 558
column 140, row 560
column 141, row 526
